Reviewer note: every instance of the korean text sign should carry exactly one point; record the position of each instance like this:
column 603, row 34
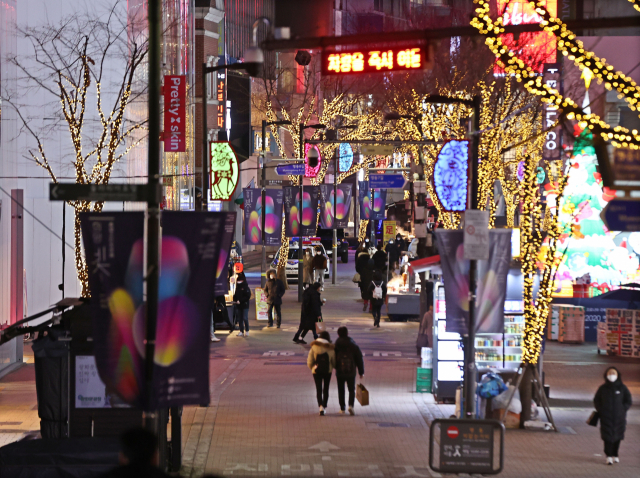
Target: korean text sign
column 175, row 113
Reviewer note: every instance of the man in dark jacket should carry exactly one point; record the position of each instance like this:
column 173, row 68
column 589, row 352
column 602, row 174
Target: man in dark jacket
column 378, row 293
column 366, row 275
column 348, row 362
column 380, row 259
column 612, row 401
column 310, row 314
column 319, row 265
column 274, row 290
column 241, row 298
column 394, row 254
column 400, row 243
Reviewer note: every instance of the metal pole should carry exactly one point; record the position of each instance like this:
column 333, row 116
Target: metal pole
column 263, row 264
column 334, row 268
column 300, row 271
column 372, row 230
column 153, row 212
column 205, row 142
column 64, row 255
column 470, row 351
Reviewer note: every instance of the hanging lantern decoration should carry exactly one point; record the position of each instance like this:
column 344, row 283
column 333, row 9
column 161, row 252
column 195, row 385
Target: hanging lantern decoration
column 345, row 158
column 451, row 175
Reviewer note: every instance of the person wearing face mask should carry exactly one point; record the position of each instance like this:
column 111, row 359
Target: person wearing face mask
column 307, row 268
column 612, row 401
column 394, row 255
column 241, row 299
column 319, row 264
column 274, row 290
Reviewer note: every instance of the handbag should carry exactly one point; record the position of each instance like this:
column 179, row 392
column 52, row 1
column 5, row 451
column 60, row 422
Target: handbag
column 320, row 327
column 356, row 277
column 593, row 419
column 362, row 395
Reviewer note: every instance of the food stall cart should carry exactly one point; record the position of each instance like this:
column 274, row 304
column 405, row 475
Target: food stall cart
column 403, row 291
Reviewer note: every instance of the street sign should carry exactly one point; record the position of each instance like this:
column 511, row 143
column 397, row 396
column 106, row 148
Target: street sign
column 466, row 446
column 622, row 215
column 100, row 192
column 386, row 181
column 296, row 169
column 377, row 149
column 476, row 235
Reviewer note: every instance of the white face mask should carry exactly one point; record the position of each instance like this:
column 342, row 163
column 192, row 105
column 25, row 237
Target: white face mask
column 318, row 253
column 612, row 377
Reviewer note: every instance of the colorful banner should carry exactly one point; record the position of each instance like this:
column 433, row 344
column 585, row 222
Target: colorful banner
column 378, row 211
column 175, row 113
column 343, row 206
column 310, row 197
column 114, row 248
column 262, row 308
column 491, row 286
column 253, row 216
column 226, row 239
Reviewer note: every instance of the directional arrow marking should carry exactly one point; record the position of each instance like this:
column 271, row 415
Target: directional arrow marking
column 324, row 447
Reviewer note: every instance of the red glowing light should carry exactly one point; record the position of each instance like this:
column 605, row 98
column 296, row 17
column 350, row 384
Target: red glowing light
column 374, row 60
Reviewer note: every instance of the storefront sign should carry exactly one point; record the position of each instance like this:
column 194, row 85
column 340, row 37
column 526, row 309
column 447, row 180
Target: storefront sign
column 175, row 113
column 221, row 114
column 552, row 149
column 262, row 308
column 90, row 390
column 388, row 231
column 413, row 57
column 225, row 170
column 626, row 165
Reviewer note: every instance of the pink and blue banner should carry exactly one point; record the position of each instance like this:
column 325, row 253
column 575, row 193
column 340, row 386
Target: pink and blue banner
column 295, row 226
column 342, row 206
column 372, row 203
column 253, row 216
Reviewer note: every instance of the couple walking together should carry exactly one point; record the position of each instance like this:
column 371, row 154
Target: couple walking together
column 345, row 357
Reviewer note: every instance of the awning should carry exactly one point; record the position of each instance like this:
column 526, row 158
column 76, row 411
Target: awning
column 426, row 264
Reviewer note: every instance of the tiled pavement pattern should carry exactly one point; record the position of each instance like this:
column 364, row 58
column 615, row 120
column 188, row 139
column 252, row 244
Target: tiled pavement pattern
column 263, row 419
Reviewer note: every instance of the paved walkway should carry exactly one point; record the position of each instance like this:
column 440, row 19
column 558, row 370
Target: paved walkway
column 263, row 418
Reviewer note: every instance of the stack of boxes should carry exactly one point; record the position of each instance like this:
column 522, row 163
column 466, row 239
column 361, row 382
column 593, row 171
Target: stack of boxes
column 424, row 375
column 623, row 332
column 566, row 324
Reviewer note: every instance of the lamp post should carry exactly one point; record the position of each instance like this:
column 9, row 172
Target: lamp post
column 301, row 178
column 263, row 266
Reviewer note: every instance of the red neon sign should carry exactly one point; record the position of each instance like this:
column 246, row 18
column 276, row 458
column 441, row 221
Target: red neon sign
column 373, row 60
column 534, row 48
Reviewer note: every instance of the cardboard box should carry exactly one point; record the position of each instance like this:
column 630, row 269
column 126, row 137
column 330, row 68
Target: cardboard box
column 512, row 420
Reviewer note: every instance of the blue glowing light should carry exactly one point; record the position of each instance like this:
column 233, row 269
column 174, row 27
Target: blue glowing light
column 450, row 175
column 345, row 157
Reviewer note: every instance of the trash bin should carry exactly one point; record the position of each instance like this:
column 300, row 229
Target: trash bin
column 51, row 356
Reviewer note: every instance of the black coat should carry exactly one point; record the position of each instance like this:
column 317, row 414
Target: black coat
column 347, row 345
column 380, row 260
column 242, row 295
column 372, row 287
column 311, row 308
column 612, row 401
column 274, row 290
column 394, row 253
column 366, row 274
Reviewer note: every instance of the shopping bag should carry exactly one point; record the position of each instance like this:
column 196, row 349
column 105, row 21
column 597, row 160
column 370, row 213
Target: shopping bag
column 320, row 327
column 362, row 395
column 356, row 278
column 593, row 419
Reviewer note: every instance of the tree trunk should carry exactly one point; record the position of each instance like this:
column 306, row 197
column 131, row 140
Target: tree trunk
column 526, row 394
column 81, row 264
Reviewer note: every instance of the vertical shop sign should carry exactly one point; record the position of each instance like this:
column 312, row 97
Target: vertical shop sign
column 175, row 113
column 552, row 149
column 220, row 96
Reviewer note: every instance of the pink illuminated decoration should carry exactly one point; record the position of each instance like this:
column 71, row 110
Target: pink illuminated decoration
column 310, row 172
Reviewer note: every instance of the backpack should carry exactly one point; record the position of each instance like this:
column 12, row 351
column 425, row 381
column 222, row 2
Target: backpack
column 322, row 363
column 345, row 363
column 377, row 292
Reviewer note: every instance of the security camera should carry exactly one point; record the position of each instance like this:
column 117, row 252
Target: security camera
column 313, row 157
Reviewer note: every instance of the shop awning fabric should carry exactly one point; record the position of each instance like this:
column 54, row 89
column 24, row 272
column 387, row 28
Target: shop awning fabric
column 426, row 264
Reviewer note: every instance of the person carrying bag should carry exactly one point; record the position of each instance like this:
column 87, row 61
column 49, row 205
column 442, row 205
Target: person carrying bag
column 321, row 361
column 349, row 362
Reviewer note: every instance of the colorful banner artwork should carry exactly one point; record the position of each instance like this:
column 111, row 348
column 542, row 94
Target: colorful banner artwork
column 189, row 254
column 450, row 175
column 175, row 113
column 342, row 206
column 262, row 308
column 226, row 240
column 293, row 226
column 378, row 211
column 492, row 281
column 253, row 216
column 225, row 170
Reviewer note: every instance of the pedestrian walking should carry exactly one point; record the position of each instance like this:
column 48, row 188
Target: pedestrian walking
column 612, row 401
column 393, row 254
column 322, row 361
column 219, row 312
column 241, row 299
column 363, row 246
column 380, row 259
column 348, row 362
column 319, row 264
column 425, row 332
column 274, row 290
column 378, row 291
column 310, row 313
column 363, row 268
column 400, row 243
column 307, row 268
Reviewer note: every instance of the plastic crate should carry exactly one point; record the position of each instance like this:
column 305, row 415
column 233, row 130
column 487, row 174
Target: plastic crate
column 424, row 373
column 423, row 386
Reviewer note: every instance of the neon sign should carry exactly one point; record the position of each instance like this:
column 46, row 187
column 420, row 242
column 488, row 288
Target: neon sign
column 450, row 175
column 225, row 170
column 373, row 60
column 345, row 157
column 310, row 172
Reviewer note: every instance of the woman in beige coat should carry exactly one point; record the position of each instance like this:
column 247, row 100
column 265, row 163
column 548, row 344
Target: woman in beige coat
column 307, row 268
column 322, row 361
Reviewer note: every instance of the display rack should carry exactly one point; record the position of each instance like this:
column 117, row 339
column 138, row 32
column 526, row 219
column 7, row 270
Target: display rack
column 502, row 350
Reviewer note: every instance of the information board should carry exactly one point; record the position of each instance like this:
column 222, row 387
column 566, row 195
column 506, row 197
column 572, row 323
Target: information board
column 262, row 308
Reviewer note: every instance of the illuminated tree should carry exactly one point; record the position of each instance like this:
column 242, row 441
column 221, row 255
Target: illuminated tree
column 72, row 63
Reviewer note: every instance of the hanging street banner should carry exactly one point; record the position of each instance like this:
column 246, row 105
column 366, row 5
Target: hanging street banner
column 175, row 113
column 294, row 227
column 253, row 216
column 189, row 255
column 364, row 199
column 226, row 239
column 113, row 245
column 552, row 149
column 491, row 286
column 388, row 231
column 343, row 206
column 374, row 210
column 379, row 202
